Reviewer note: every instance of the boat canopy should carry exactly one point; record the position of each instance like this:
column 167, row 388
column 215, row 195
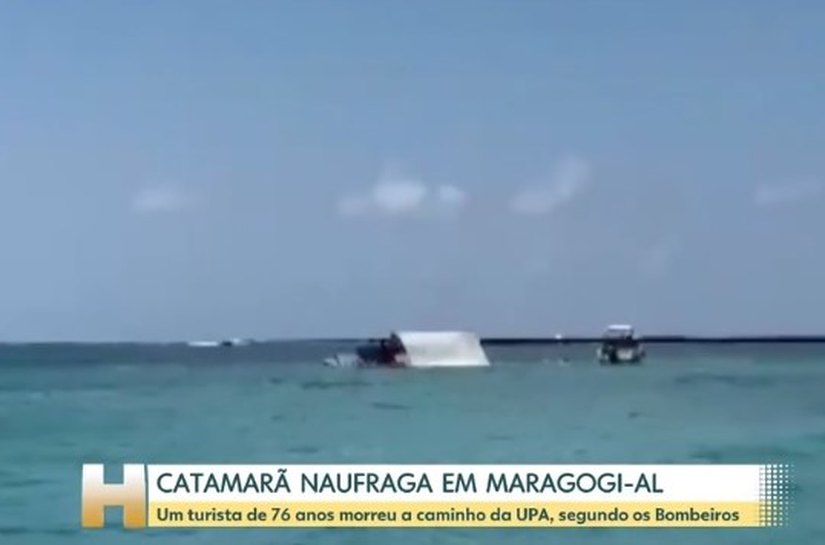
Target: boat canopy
column 441, row 348
column 619, row 330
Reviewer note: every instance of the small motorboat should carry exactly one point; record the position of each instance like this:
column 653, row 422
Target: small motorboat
column 620, row 346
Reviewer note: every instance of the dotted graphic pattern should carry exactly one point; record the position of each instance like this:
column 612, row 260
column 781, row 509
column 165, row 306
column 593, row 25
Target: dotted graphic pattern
column 775, row 494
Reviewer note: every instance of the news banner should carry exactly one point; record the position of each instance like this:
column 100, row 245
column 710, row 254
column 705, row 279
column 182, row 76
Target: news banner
column 544, row 496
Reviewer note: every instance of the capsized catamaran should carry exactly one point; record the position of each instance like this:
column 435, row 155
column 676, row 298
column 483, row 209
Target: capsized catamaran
column 418, row 349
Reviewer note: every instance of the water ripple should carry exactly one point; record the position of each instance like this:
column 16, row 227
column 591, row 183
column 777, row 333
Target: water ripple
column 389, row 406
column 333, row 384
column 739, row 381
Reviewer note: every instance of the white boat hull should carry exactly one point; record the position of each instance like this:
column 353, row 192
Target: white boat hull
column 621, row 356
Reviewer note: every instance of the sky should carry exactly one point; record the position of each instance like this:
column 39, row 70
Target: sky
column 207, row 169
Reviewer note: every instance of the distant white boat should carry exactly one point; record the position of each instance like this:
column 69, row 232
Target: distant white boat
column 214, row 344
column 203, row 344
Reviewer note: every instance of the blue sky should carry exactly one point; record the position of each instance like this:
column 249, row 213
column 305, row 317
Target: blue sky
column 274, row 169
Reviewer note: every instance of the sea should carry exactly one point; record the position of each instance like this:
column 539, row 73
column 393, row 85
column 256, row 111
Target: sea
column 65, row 405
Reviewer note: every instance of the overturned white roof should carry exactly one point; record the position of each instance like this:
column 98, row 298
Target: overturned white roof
column 442, row 349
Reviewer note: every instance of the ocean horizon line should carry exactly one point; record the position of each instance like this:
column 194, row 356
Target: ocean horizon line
column 486, row 340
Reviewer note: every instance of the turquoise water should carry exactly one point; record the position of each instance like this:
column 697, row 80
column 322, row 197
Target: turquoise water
column 61, row 406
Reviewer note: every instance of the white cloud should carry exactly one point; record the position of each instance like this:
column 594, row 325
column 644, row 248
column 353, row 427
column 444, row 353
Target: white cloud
column 159, row 199
column 398, row 196
column 451, row 196
column 769, row 196
column 567, row 182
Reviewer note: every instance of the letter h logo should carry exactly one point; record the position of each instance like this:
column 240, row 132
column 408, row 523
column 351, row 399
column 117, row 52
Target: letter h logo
column 130, row 495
